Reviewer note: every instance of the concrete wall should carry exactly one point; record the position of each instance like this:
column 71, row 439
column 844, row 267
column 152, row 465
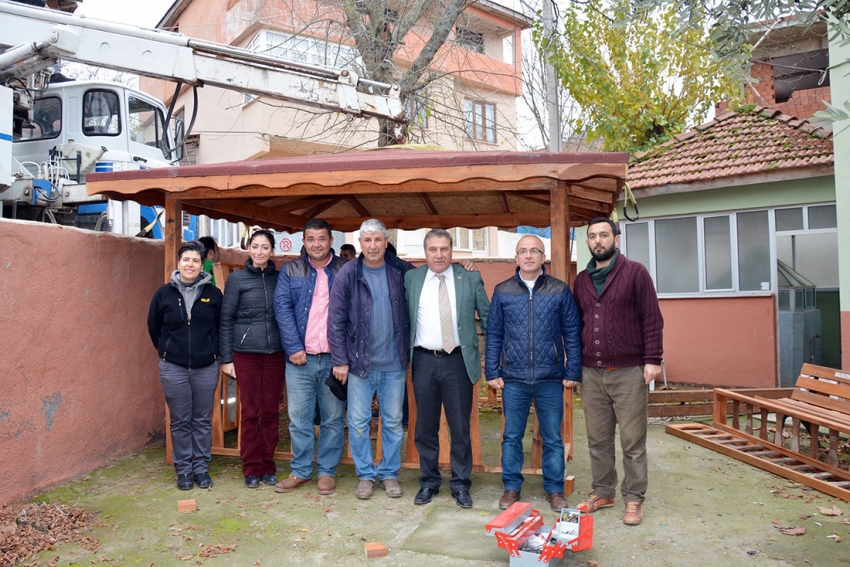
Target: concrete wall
column 721, row 341
column 839, row 58
column 78, row 372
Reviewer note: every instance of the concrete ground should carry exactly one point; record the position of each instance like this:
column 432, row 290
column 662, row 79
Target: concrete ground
column 702, row 509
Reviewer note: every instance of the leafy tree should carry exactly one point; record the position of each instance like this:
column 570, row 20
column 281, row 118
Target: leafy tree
column 639, row 81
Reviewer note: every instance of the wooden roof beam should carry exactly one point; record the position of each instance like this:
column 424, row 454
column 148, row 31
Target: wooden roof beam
column 247, row 210
column 413, row 222
column 321, row 207
column 429, row 206
column 503, row 199
column 358, row 206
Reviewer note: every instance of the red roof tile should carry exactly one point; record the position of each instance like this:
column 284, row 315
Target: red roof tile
column 737, row 143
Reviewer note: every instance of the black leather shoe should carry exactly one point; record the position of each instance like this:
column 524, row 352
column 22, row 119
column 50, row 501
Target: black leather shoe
column 252, row 481
column 425, row 495
column 462, row 498
column 203, row 480
column 269, row 478
column 185, row 482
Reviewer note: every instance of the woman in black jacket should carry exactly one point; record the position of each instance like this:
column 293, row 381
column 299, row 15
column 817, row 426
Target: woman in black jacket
column 183, row 324
column 252, row 353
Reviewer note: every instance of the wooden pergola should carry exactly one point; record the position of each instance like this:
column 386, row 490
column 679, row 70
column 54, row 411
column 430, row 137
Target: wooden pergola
column 404, row 188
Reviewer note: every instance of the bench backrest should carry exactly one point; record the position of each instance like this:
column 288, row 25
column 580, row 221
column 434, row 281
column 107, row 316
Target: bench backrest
column 824, row 387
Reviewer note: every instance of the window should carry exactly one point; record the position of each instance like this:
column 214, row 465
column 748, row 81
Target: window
column 145, row 122
column 46, row 120
column 469, row 39
column 799, row 72
column 480, row 120
column 101, row 113
column 728, row 253
column 811, row 217
column 417, row 111
column 469, row 239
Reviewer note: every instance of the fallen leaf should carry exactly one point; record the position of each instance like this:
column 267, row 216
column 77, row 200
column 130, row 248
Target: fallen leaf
column 592, row 563
column 793, row 530
column 805, row 516
column 834, row 511
column 836, row 537
column 776, row 522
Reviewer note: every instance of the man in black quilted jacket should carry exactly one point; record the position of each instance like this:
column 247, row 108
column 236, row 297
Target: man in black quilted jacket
column 533, row 353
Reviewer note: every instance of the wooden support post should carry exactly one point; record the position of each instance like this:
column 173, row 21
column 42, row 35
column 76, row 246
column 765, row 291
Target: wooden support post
column 559, row 221
column 173, row 233
column 173, row 239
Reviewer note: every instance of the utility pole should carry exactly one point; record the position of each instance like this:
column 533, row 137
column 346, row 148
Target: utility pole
column 552, row 108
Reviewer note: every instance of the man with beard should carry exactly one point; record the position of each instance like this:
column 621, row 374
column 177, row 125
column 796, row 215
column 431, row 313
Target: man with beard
column 621, row 353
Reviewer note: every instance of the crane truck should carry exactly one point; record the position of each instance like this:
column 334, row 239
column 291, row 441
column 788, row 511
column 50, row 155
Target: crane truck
column 55, row 131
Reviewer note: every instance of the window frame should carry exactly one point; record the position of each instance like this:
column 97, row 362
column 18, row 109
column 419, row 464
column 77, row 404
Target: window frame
column 701, row 252
column 56, row 133
column 471, row 124
column 83, row 113
column 455, row 232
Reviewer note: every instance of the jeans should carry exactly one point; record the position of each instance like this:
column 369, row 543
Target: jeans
column 548, row 399
column 390, row 389
column 612, row 397
column 260, row 379
column 189, row 393
column 305, row 384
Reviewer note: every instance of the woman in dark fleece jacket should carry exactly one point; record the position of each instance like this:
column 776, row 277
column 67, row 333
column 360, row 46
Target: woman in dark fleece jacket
column 183, row 324
column 252, row 352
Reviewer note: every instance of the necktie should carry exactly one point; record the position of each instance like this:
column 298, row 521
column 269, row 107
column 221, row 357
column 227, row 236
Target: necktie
column 446, row 324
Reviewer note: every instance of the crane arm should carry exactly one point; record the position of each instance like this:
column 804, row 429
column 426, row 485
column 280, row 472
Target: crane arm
column 36, row 37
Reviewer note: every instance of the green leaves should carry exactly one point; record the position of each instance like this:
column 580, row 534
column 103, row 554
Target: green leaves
column 639, row 80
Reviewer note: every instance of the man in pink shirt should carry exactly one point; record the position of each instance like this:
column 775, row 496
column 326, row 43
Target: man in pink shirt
column 301, row 309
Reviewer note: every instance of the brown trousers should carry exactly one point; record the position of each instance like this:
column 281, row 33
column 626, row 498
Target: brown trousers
column 612, row 397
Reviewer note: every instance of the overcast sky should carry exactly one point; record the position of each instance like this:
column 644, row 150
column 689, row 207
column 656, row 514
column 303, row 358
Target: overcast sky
column 146, row 14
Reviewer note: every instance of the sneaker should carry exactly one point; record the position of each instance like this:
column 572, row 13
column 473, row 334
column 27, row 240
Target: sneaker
column 326, row 485
column 391, row 487
column 508, row 498
column 203, row 480
column 594, row 502
column 269, row 479
column 633, row 514
column 185, row 482
column 290, row 483
column 364, row 489
column 557, row 501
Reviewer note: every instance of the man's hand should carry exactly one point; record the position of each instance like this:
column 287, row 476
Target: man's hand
column 228, row 369
column 299, row 358
column 468, row 265
column 571, row 383
column 651, row 372
column 341, row 373
column 496, row 383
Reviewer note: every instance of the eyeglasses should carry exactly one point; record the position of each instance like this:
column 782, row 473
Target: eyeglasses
column 527, row 251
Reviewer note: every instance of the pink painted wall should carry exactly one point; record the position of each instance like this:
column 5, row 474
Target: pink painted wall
column 721, row 341
column 79, row 379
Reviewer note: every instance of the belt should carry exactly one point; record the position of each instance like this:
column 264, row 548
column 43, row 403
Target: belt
column 437, row 352
column 610, row 368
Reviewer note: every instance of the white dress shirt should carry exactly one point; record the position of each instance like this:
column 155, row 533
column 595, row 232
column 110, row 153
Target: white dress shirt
column 428, row 328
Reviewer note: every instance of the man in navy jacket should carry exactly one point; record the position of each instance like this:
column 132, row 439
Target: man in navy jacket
column 533, row 353
column 369, row 334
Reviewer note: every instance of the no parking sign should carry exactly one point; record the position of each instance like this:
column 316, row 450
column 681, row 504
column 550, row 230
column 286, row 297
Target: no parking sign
column 285, row 244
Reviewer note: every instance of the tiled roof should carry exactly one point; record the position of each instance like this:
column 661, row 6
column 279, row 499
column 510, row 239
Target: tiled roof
column 732, row 145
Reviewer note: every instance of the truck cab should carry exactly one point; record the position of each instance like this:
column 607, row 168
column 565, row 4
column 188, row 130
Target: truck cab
column 79, row 127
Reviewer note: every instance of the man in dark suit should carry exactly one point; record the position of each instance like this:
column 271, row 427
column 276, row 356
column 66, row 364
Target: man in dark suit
column 442, row 300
